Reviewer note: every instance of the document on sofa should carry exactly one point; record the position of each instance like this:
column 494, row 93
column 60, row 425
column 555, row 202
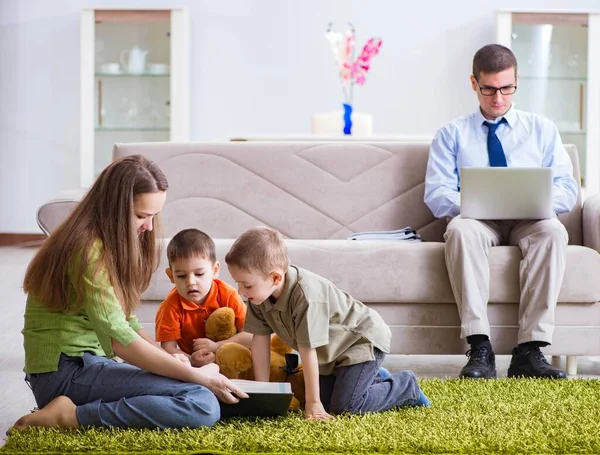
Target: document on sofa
column 406, row 234
column 266, row 399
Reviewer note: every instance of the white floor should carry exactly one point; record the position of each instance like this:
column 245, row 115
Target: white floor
column 16, row 399
column 15, row 396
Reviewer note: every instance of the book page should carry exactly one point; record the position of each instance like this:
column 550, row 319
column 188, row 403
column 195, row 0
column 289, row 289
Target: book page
column 262, row 387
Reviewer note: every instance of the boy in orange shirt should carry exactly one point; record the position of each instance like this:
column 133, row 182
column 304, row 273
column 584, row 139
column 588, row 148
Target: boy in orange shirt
column 193, row 269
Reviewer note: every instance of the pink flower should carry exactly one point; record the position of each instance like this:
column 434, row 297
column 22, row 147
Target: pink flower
column 342, row 48
column 363, row 62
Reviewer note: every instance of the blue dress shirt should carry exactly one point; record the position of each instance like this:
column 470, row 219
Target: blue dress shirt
column 528, row 140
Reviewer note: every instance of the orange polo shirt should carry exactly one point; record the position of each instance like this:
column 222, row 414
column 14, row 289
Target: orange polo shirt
column 179, row 319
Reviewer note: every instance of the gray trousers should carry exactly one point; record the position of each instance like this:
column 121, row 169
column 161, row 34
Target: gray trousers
column 112, row 394
column 358, row 388
column 543, row 244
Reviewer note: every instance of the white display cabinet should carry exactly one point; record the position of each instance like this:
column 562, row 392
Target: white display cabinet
column 134, row 81
column 558, row 55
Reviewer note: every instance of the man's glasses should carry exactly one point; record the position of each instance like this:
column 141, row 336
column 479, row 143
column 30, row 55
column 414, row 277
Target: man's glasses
column 491, row 91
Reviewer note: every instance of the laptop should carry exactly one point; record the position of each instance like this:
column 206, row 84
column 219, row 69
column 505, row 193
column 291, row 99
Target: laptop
column 506, row 193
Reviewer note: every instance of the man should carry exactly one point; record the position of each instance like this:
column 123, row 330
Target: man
column 522, row 140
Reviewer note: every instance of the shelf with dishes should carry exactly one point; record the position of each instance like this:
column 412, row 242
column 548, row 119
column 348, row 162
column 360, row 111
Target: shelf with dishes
column 133, row 115
column 133, row 112
column 135, row 65
column 131, row 105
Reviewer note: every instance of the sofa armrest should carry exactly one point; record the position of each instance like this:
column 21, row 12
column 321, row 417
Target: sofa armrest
column 53, row 212
column 591, row 222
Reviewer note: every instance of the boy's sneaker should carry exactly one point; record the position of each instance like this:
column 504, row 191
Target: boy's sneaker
column 423, row 400
column 384, row 373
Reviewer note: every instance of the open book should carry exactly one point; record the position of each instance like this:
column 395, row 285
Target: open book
column 266, row 399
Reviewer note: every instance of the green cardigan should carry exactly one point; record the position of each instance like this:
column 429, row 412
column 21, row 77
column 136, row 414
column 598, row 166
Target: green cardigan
column 90, row 328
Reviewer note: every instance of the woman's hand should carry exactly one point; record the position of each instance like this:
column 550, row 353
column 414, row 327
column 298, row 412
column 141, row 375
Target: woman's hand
column 218, row 384
column 158, row 361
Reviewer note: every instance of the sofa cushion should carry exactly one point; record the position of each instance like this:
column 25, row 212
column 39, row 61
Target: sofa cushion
column 413, row 272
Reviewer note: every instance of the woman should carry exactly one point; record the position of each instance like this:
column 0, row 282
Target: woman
column 82, row 287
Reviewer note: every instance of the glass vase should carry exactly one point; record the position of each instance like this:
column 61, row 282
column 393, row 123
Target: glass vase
column 347, row 118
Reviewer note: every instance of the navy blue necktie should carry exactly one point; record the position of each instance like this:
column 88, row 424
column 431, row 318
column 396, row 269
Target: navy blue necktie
column 495, row 150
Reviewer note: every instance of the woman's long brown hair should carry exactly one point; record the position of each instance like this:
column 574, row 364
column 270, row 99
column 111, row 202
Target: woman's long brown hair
column 106, row 213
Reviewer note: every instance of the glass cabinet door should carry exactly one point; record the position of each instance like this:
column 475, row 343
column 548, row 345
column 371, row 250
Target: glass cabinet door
column 552, row 57
column 134, row 81
column 557, row 54
column 132, row 64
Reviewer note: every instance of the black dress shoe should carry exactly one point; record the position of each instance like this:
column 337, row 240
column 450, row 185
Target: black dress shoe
column 531, row 363
column 481, row 364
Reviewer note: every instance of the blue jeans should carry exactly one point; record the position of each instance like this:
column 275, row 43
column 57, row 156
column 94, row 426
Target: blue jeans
column 358, row 388
column 112, row 394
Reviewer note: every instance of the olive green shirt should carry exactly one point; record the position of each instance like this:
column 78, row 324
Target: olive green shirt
column 313, row 313
column 89, row 328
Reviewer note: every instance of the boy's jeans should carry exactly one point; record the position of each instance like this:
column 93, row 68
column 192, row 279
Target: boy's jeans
column 358, row 388
column 112, row 394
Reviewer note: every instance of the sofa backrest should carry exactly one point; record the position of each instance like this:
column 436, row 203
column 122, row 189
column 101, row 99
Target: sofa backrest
column 306, row 190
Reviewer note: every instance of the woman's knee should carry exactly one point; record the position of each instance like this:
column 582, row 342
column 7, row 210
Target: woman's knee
column 203, row 407
column 43, row 395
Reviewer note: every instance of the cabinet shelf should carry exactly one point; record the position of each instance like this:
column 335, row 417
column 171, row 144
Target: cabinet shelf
column 553, row 78
column 127, row 75
column 582, row 133
column 133, row 128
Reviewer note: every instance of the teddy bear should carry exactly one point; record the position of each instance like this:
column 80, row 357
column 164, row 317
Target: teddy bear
column 235, row 360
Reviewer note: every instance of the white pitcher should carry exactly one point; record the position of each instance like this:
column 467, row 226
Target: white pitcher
column 136, row 63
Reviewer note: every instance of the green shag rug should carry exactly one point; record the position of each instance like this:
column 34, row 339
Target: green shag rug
column 505, row 416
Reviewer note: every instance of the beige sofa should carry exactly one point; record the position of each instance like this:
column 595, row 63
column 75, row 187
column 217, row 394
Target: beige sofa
column 318, row 193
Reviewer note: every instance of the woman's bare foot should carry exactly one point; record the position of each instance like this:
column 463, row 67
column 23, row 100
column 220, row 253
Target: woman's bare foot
column 60, row 412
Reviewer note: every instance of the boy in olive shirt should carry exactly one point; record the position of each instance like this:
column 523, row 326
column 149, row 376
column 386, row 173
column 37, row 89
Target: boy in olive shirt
column 341, row 341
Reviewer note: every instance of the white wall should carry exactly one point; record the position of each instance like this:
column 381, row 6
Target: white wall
column 259, row 67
